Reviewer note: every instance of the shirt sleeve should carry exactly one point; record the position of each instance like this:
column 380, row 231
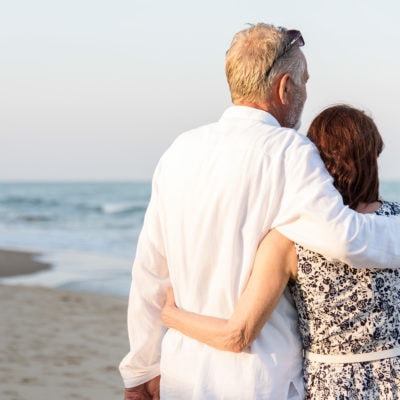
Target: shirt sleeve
column 312, row 214
column 147, row 295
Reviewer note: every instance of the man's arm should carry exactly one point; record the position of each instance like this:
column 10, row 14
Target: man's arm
column 150, row 278
column 312, row 213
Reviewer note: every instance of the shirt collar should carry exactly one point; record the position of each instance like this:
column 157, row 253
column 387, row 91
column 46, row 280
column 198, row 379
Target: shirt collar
column 244, row 112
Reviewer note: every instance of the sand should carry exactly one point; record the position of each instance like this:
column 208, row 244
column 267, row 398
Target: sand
column 58, row 344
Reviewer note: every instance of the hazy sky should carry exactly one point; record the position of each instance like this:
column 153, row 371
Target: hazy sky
column 94, row 89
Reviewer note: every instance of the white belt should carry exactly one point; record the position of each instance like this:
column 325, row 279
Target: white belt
column 352, row 358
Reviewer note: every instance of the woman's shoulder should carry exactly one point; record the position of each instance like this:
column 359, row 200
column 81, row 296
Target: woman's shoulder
column 389, row 208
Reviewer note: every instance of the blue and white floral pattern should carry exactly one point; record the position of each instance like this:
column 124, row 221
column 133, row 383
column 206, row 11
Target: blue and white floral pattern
column 348, row 310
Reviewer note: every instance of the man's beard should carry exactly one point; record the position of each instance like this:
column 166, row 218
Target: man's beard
column 294, row 117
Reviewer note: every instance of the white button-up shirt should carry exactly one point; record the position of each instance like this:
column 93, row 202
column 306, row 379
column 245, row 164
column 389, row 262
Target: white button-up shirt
column 216, row 191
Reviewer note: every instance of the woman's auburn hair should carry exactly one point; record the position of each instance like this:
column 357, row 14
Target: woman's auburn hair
column 349, row 143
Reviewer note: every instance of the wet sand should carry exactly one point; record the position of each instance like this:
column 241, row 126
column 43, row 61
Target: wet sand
column 58, row 344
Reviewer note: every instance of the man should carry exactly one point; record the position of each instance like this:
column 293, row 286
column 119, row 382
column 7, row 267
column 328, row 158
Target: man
column 216, row 192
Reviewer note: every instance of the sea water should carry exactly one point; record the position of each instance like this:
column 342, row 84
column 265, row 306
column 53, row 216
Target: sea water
column 87, row 231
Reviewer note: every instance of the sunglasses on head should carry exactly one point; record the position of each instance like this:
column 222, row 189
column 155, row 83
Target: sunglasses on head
column 293, row 37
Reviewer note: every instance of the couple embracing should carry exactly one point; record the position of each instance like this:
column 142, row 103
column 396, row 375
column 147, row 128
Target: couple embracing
column 277, row 248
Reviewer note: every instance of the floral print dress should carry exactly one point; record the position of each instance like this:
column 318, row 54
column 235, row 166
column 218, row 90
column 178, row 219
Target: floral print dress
column 346, row 310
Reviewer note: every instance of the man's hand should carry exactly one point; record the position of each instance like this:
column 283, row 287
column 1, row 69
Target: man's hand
column 146, row 391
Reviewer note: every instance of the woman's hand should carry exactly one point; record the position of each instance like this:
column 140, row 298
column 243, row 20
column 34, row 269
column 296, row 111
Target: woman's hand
column 169, row 307
column 170, row 298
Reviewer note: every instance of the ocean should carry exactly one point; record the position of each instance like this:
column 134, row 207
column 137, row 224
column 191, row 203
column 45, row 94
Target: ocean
column 87, row 231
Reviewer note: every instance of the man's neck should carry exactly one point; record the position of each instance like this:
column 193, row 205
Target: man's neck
column 258, row 106
column 267, row 107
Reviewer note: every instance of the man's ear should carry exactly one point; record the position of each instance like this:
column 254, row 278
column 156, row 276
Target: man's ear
column 283, row 88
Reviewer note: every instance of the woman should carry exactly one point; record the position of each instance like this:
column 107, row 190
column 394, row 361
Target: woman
column 349, row 319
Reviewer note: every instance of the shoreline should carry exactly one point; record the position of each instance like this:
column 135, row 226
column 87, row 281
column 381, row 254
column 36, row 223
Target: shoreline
column 66, row 270
column 20, row 262
column 55, row 342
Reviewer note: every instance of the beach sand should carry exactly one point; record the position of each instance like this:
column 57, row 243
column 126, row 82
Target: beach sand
column 58, row 344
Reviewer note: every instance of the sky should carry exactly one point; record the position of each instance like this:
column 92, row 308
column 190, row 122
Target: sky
column 97, row 90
